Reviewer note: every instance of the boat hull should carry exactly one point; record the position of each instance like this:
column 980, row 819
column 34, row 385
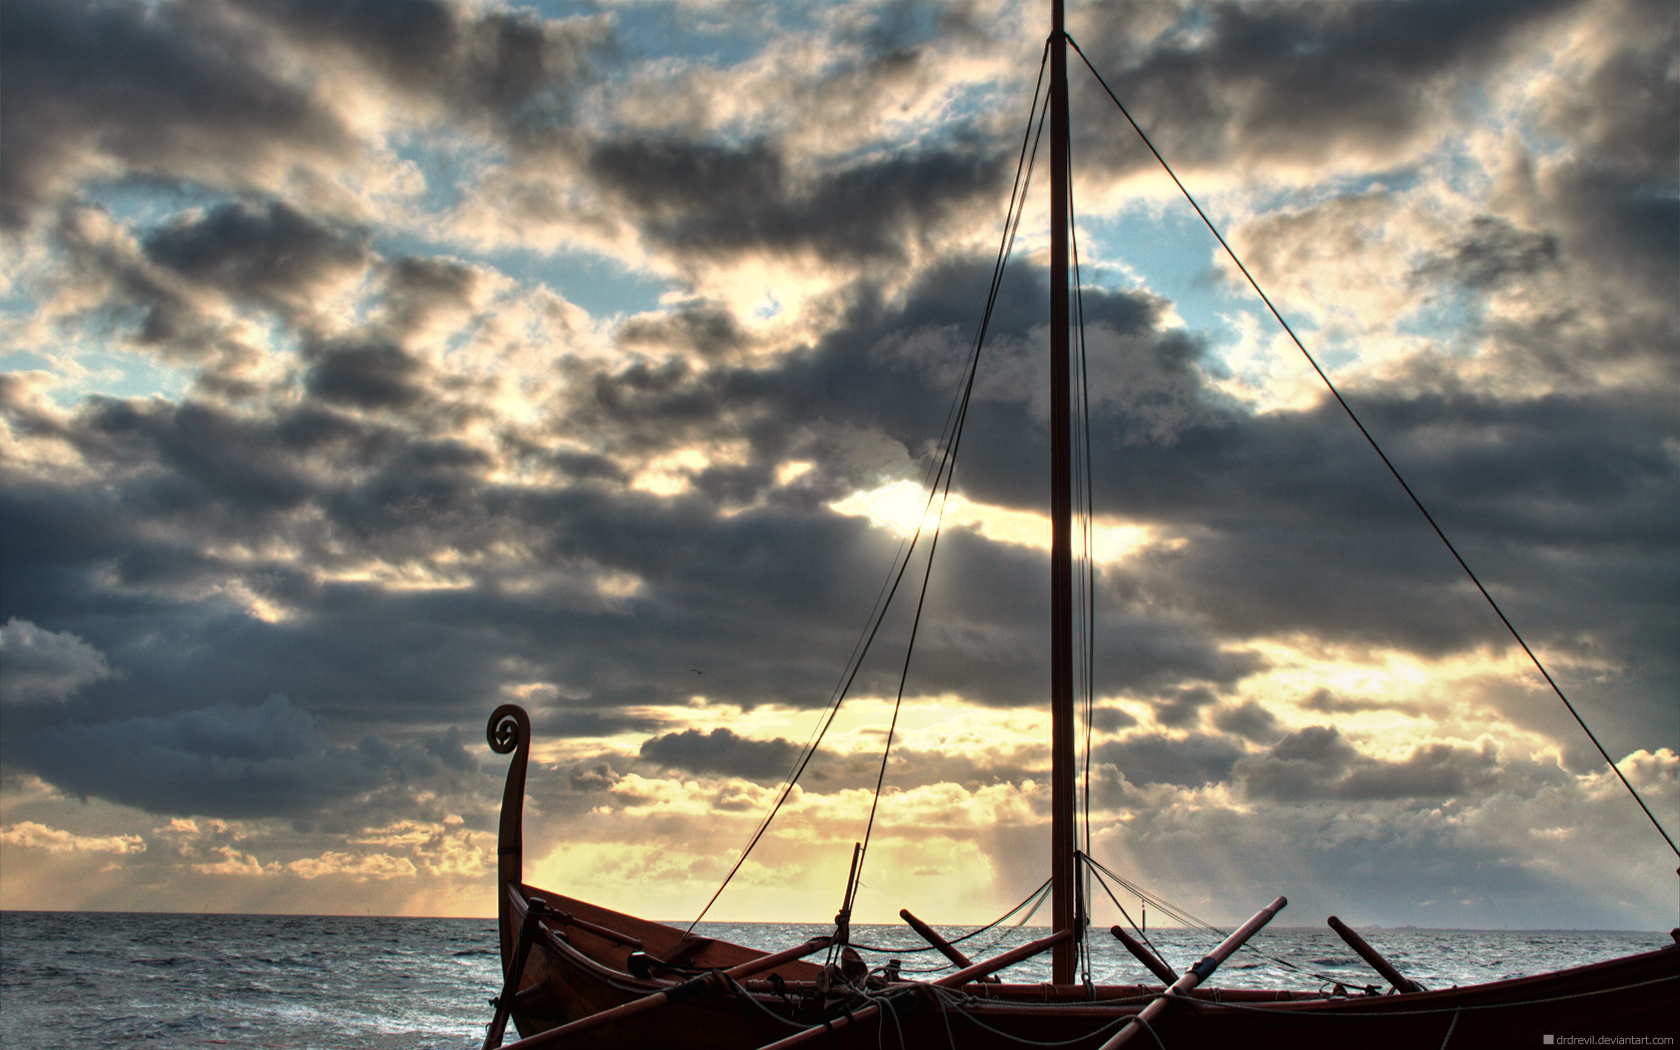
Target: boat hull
column 571, row 974
column 578, row 960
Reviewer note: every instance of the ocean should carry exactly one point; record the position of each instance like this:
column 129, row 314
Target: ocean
column 166, row 981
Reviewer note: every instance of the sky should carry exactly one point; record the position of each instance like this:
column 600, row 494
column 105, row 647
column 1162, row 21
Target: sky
column 369, row 365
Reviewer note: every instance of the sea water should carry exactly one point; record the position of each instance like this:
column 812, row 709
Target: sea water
column 166, row 981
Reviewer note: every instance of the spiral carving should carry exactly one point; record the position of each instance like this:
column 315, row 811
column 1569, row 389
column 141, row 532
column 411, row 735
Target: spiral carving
column 509, row 732
column 509, row 727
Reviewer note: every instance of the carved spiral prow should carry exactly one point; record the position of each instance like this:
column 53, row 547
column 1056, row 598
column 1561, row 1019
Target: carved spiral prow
column 509, row 732
column 509, row 727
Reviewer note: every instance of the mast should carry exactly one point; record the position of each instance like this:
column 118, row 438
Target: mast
column 1062, row 874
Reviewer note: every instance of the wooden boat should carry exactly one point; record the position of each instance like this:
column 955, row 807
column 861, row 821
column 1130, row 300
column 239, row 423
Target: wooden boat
column 579, row 975
column 585, row 976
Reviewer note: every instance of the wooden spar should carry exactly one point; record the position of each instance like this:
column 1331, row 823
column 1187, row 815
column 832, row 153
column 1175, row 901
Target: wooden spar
column 1063, row 892
column 510, row 980
column 603, row 932
column 843, row 918
column 1196, row 974
column 1401, row 983
column 686, row 990
column 929, row 934
column 1148, row 958
column 964, row 976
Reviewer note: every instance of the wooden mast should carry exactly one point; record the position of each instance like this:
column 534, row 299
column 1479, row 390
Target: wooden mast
column 1062, row 873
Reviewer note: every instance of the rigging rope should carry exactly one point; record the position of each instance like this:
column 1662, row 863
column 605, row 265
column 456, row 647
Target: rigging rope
column 1088, row 567
column 948, row 460
column 951, row 437
column 1035, row 898
column 1392, row 469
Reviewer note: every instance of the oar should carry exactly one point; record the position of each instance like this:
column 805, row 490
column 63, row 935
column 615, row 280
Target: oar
column 929, row 934
column 963, row 976
column 504, row 1003
column 687, row 990
column 1143, row 955
column 1195, row 975
column 1393, row 976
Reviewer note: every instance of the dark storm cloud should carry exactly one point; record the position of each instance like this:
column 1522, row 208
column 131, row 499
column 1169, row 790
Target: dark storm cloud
column 1614, row 197
column 708, row 330
column 581, row 718
column 264, row 760
column 1109, row 719
column 1183, row 708
column 1495, row 253
column 705, row 197
column 1326, row 702
column 891, row 366
column 270, row 253
column 418, row 288
column 612, row 594
column 726, row 586
column 1189, row 761
column 162, row 91
column 1287, row 83
column 510, row 66
column 598, row 777
column 206, row 94
column 778, row 589
column 365, row 376
column 449, row 750
column 1299, row 528
column 1248, row 720
column 45, row 665
column 721, row 751
column 1318, row 763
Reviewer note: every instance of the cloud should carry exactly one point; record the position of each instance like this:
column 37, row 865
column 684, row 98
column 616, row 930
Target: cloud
column 1152, row 758
column 1182, row 710
column 305, row 405
column 1326, row 702
column 364, row 376
column 27, row 834
column 166, row 92
column 366, row 866
column 236, row 864
column 1280, row 85
column 1494, row 253
column 1317, row 762
column 1248, row 720
column 700, row 197
column 508, row 67
column 721, row 751
column 230, row 761
column 271, row 254
column 46, row 665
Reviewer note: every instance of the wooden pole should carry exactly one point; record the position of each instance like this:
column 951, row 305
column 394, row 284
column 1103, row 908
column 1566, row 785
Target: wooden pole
column 931, row 935
column 1401, row 983
column 1063, row 892
column 606, row 933
column 510, row 980
column 1148, row 958
column 961, row 977
column 1196, row 975
column 686, row 990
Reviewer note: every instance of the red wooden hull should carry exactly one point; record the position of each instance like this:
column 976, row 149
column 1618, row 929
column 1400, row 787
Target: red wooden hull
column 577, row 963
column 572, row 973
